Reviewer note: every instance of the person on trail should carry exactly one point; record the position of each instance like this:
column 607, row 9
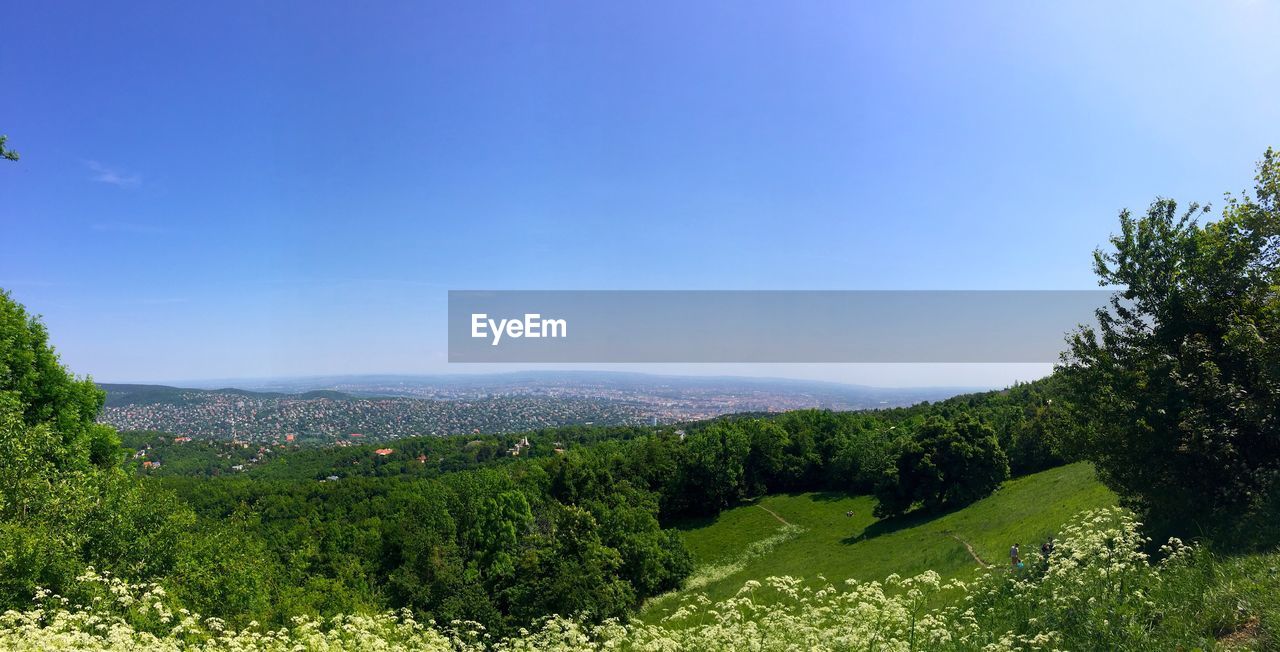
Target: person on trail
column 1015, row 559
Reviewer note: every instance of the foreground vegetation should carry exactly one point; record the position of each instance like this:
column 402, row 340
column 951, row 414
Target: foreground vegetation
column 1098, row 590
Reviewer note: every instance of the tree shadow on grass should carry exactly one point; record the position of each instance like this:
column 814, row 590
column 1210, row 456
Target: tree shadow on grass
column 699, row 521
column 832, row 496
column 895, row 523
column 686, row 523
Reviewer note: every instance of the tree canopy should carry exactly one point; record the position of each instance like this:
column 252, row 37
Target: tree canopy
column 1179, row 384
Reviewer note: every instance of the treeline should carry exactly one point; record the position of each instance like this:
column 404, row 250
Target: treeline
column 409, row 457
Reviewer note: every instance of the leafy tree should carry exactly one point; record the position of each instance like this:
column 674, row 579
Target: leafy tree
column 768, row 456
column 503, row 521
column 50, row 397
column 653, row 560
column 947, row 463
column 714, row 472
column 569, row 570
column 1180, row 381
column 63, row 503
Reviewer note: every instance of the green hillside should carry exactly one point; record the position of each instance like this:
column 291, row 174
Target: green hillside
column 809, row 534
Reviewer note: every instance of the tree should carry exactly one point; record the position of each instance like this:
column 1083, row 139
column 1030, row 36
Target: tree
column 503, row 520
column 767, row 459
column 48, row 396
column 569, row 571
column 7, row 153
column 1180, row 382
column 948, row 463
column 64, row 504
column 715, row 468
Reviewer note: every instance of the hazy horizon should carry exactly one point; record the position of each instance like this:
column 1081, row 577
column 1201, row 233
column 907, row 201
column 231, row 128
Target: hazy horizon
column 921, row 376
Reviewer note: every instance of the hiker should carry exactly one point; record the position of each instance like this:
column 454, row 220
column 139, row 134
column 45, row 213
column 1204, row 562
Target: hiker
column 1047, row 548
column 1015, row 559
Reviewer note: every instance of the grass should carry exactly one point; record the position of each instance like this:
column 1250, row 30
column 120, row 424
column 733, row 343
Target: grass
column 749, row 542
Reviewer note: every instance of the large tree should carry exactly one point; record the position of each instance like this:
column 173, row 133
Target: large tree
column 1179, row 382
column 948, row 463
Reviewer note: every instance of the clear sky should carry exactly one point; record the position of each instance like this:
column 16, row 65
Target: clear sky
column 254, row 189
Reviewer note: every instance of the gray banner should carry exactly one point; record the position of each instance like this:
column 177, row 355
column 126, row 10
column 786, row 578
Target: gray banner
column 765, row 326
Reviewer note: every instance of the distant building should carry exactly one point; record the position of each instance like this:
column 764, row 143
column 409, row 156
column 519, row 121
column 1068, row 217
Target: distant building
column 422, row 459
column 520, row 445
column 385, row 451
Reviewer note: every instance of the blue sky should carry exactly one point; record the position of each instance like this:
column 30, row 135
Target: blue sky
column 289, row 188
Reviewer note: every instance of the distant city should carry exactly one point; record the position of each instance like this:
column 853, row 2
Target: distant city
column 343, row 410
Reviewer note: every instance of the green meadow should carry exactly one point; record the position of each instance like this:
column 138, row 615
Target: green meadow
column 811, row 534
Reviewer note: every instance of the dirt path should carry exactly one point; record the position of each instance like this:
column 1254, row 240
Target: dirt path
column 775, row 514
column 972, row 552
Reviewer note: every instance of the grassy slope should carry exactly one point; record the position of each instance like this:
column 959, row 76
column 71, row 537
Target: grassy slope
column 750, row 543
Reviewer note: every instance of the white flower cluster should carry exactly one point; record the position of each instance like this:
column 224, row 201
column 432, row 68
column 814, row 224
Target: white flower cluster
column 1097, row 578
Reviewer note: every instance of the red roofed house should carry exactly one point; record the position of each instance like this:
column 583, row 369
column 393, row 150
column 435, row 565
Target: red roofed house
column 385, row 451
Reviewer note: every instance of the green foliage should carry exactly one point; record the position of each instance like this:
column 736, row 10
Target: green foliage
column 1098, row 590
column 1180, row 383
column 503, row 521
column 714, row 471
column 45, row 395
column 63, row 504
column 947, row 463
column 7, row 154
column 225, row 570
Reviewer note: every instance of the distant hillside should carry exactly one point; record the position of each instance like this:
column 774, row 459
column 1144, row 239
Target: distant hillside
column 133, row 394
column 677, row 397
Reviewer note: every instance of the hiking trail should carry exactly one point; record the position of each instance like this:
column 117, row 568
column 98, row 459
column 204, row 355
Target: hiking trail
column 972, row 552
column 775, row 514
